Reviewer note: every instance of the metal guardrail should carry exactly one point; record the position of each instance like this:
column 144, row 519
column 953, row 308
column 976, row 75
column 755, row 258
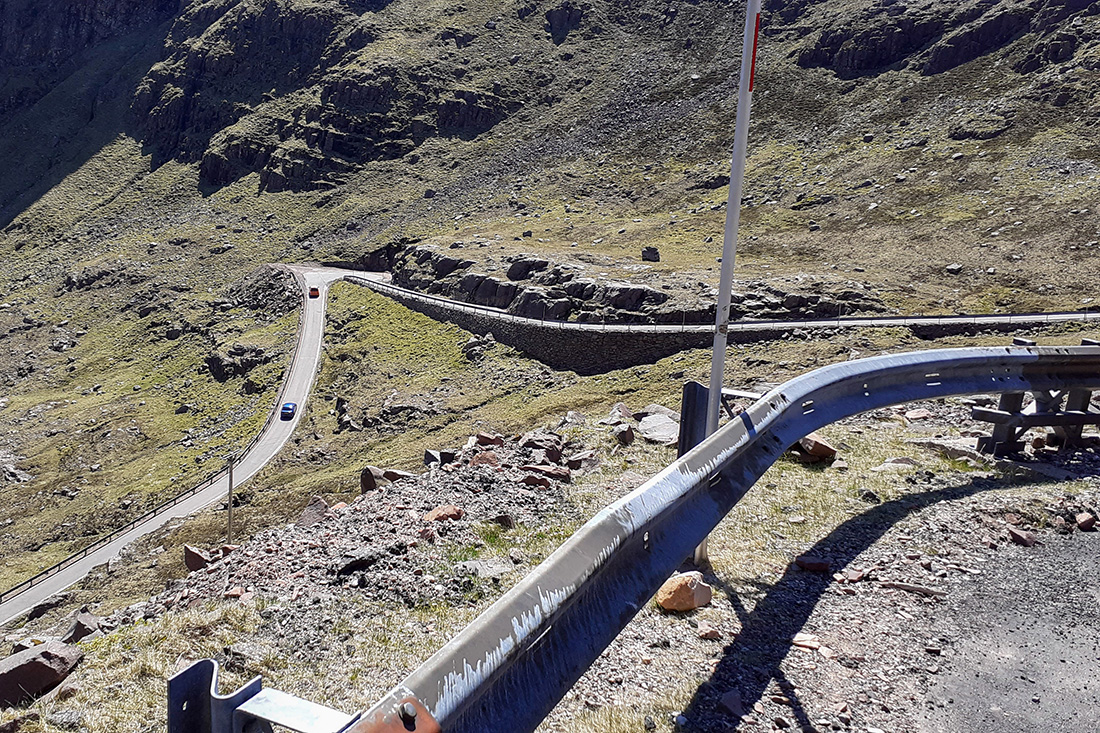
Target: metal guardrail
column 206, row 483
column 992, row 319
column 506, row 670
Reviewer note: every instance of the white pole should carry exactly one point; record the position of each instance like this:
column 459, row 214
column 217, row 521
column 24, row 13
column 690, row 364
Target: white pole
column 733, row 221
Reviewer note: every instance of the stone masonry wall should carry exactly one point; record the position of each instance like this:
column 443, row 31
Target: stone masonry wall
column 583, row 351
column 592, row 349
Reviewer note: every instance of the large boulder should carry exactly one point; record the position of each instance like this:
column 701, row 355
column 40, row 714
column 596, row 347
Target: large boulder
column 28, row 674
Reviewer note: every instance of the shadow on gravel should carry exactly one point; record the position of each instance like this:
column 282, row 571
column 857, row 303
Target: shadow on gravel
column 750, row 662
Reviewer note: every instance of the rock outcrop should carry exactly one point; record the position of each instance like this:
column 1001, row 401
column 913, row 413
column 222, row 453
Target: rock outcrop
column 237, row 361
column 934, row 38
column 269, row 289
column 39, row 40
column 311, row 104
column 535, row 287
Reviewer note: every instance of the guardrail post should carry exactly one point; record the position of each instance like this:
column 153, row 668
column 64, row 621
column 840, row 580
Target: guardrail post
column 693, row 431
column 693, row 417
column 229, row 505
column 1077, row 401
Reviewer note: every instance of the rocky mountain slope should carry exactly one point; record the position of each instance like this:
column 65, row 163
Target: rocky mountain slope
column 906, row 156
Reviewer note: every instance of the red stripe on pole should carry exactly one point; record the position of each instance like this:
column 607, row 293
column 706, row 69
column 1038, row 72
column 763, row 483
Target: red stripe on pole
column 755, row 38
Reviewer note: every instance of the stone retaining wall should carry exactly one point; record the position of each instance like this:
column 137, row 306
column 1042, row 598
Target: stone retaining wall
column 587, row 351
column 593, row 349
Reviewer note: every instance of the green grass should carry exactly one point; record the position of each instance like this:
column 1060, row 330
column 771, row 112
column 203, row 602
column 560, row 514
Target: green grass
column 114, row 203
column 119, row 444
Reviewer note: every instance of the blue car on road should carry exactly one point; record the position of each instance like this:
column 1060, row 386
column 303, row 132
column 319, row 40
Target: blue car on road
column 288, row 410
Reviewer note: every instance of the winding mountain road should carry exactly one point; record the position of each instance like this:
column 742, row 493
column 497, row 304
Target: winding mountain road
column 296, row 388
column 303, row 369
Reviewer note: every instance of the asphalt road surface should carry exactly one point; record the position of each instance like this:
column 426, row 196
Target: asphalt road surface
column 1028, row 651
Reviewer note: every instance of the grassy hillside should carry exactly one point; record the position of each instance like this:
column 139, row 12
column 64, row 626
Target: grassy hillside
column 156, row 168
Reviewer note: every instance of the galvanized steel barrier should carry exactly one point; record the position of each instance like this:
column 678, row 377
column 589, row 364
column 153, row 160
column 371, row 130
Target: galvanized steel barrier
column 509, row 667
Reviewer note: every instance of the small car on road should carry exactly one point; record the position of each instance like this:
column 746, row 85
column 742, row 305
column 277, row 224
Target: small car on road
column 314, row 293
column 288, row 410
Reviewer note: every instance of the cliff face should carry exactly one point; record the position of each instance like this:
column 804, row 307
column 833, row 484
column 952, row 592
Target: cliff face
column 41, row 41
column 297, row 92
column 33, row 32
column 934, row 38
column 305, row 93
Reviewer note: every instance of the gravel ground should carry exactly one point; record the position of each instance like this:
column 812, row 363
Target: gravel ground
column 386, row 546
column 930, row 618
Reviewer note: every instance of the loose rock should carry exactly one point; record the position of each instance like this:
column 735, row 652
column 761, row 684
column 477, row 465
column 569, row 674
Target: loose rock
column 444, row 512
column 684, row 592
column 1021, row 537
column 560, row 473
column 817, row 447
column 624, row 434
column 490, row 439
column 812, row 564
column 370, row 478
column 437, row 456
column 659, row 429
column 83, row 626
column 314, row 512
column 707, row 631
column 194, row 558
